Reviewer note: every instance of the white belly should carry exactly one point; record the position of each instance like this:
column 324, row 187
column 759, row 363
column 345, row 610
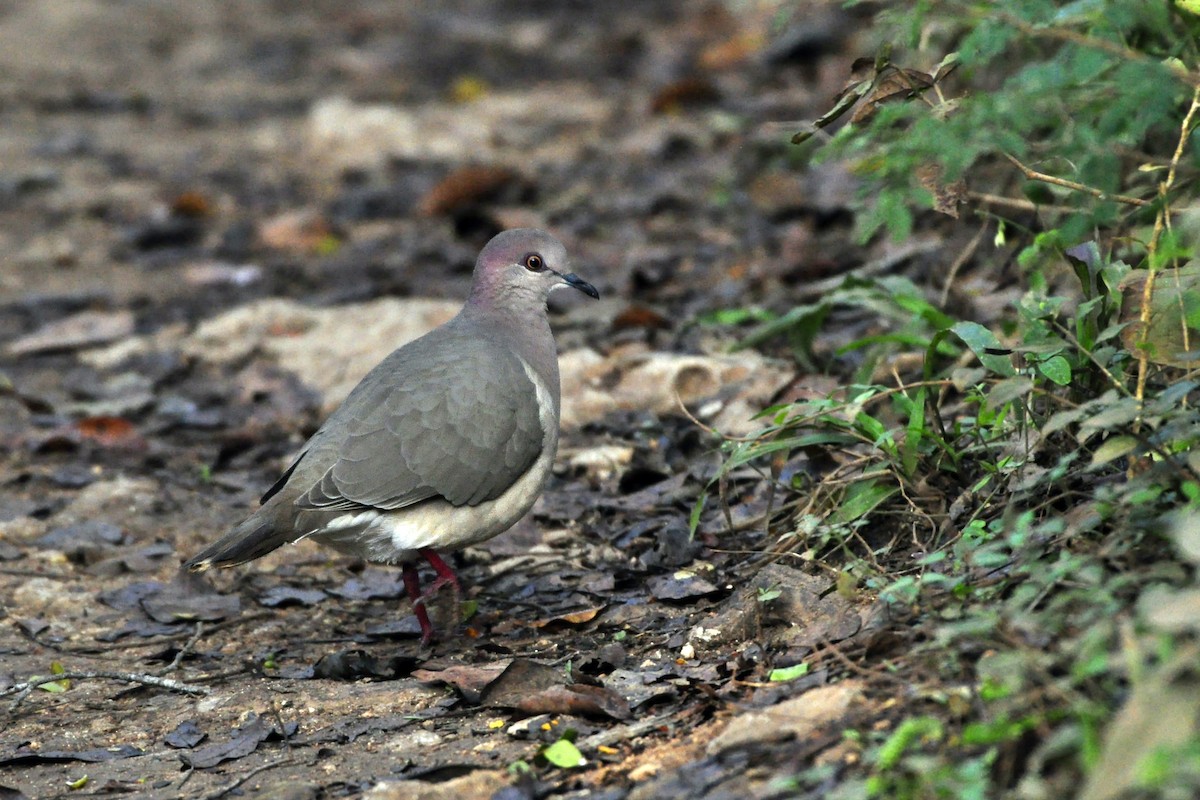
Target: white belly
column 395, row 536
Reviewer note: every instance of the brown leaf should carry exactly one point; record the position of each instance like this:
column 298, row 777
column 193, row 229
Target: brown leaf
column 535, row 688
column 191, row 204
column 689, row 92
column 470, row 681
column 109, row 432
column 732, row 52
column 303, row 231
column 466, row 187
column 570, row 618
column 947, row 197
column 640, row 317
column 576, row 699
column 892, row 83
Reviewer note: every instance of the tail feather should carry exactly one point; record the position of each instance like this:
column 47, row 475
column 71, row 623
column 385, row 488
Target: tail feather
column 253, row 538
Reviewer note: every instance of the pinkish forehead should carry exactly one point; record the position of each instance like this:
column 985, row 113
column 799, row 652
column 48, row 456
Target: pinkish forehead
column 511, row 247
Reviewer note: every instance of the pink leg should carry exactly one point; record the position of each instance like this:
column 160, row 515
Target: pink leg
column 412, row 585
column 445, row 573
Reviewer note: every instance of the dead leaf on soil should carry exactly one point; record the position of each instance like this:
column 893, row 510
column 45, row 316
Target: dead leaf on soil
column 283, row 596
column 85, row 329
column 353, row 665
column 465, row 187
column 682, row 94
column 580, row 617
column 186, row 735
column 303, row 231
column 189, row 598
column 534, row 688
column 680, row 585
column 468, row 680
column 111, row 432
column 24, row 755
column 242, row 742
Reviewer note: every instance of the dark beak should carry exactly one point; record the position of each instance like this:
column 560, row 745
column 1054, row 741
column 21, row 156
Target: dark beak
column 579, row 283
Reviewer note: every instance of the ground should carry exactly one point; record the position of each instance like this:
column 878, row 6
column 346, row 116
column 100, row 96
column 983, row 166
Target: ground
column 215, row 217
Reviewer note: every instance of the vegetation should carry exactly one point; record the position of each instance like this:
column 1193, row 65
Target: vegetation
column 1027, row 495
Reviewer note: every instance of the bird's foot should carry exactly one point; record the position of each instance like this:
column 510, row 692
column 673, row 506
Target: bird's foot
column 412, row 585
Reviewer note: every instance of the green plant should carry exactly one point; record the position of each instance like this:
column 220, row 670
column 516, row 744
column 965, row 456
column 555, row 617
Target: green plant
column 1025, row 495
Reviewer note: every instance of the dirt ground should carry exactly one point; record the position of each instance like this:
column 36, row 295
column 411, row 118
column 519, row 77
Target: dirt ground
column 215, row 216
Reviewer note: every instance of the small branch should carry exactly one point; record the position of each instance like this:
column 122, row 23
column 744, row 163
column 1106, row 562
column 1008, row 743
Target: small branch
column 22, row 690
column 1019, row 203
column 960, row 260
column 183, row 651
column 1034, row 175
column 219, row 793
column 1161, row 221
column 1083, row 40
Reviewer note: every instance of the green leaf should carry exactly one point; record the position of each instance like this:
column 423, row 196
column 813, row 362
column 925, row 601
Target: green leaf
column 1057, row 369
column 986, row 347
column 1114, row 448
column 56, row 668
column 564, row 754
column 467, row 609
column 694, row 517
column 861, row 499
column 907, row 733
column 1008, row 390
column 788, row 673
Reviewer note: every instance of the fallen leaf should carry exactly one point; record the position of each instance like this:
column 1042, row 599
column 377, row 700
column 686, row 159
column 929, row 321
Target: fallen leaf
column 470, row 681
column 563, row 754
column 191, row 204
column 636, row 316
column 85, row 329
column 569, row 618
column 112, row 432
column 535, row 688
column 680, row 586
column 24, row 755
column 465, row 187
column 185, row 736
column 689, row 92
column 283, row 596
column 303, row 231
column 242, row 742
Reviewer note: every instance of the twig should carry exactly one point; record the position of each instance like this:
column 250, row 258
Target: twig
column 828, row 647
column 183, row 651
column 962, row 259
column 172, row 637
column 219, row 793
column 1161, row 220
column 878, row 266
column 22, row 690
column 1083, row 40
column 1099, row 194
column 629, row 731
column 1019, row 203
